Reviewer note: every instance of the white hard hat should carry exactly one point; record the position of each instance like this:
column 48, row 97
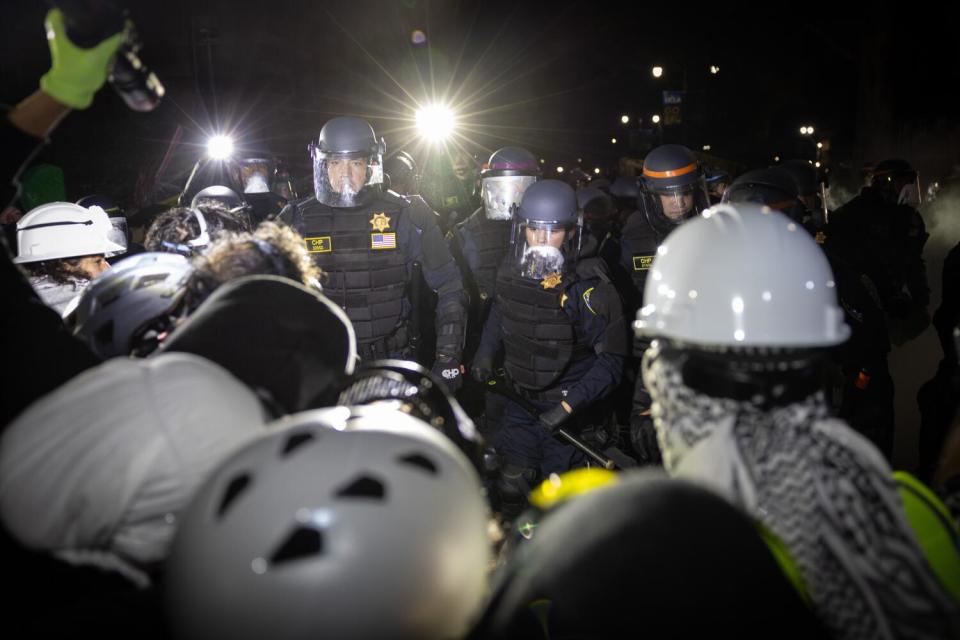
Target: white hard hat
column 742, row 275
column 64, row 230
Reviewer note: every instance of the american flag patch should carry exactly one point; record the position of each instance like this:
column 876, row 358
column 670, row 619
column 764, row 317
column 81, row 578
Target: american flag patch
column 383, row 241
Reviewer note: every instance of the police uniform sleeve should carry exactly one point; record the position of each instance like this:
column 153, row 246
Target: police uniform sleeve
column 916, row 275
column 441, row 274
column 598, row 312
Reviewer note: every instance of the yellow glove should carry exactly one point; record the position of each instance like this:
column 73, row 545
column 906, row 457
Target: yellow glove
column 76, row 73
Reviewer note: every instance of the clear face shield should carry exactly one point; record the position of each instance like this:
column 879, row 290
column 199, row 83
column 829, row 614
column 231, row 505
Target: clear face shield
column 910, row 193
column 117, row 234
column 346, row 179
column 501, row 194
column 541, row 248
column 674, row 205
column 256, row 175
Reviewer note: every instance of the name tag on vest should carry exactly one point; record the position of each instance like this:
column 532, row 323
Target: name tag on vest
column 642, row 263
column 321, row 244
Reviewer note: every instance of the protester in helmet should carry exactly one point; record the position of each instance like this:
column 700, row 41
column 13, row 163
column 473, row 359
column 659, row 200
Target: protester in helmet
column 189, row 231
column 375, row 531
column 735, row 373
column 559, row 322
column 604, row 544
column 374, row 244
column 62, row 247
column 133, row 306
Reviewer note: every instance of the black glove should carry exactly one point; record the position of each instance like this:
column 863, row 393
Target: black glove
column 448, row 369
column 643, row 438
column 554, row 418
column 482, row 368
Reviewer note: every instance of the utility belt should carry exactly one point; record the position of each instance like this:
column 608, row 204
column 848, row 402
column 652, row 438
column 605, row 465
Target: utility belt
column 395, row 345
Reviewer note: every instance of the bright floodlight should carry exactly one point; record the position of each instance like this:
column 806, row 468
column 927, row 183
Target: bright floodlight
column 657, row 72
column 435, row 122
column 655, row 119
column 625, row 119
column 220, row 147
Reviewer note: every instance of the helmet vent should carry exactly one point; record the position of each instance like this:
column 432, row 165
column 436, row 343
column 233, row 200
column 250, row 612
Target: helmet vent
column 302, row 543
column 363, row 487
column 294, row 442
column 234, row 489
column 421, row 461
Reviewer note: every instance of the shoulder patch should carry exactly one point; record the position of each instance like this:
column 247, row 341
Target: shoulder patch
column 586, row 300
column 642, row 263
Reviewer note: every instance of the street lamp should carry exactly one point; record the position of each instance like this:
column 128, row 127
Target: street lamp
column 559, row 169
column 613, row 141
column 655, row 119
column 706, row 147
column 625, row 119
column 596, row 170
column 657, row 72
column 714, row 69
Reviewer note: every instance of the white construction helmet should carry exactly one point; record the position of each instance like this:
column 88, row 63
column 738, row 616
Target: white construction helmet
column 64, row 230
column 742, row 276
column 376, row 531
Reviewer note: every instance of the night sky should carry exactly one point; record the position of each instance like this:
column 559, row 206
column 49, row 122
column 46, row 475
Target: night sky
column 875, row 80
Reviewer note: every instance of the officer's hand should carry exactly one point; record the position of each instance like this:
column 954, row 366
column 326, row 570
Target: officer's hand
column 76, row 74
column 449, row 371
column 643, row 438
column 482, row 368
column 554, row 418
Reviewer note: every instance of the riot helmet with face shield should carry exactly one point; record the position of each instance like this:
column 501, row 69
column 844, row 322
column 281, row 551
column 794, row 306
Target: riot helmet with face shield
column 347, row 163
column 897, row 181
column 547, row 232
column 672, row 189
column 504, row 179
column 772, row 187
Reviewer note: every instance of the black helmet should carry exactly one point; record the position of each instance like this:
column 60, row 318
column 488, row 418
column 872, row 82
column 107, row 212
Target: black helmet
column 625, row 187
column 504, row 179
column 772, row 187
column 127, row 309
column 547, row 209
column 224, row 195
column 595, row 204
column 347, row 142
column 672, row 189
column 897, row 181
column 510, row 161
column 401, row 169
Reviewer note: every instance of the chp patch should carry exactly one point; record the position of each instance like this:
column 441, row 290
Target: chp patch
column 320, row 244
column 383, row 241
column 586, row 300
column 642, row 263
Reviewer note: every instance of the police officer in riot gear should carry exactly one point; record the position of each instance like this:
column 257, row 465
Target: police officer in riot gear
column 772, row 187
column 403, row 173
column 810, row 187
column 480, row 243
column 367, row 241
column 561, row 326
column 672, row 191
